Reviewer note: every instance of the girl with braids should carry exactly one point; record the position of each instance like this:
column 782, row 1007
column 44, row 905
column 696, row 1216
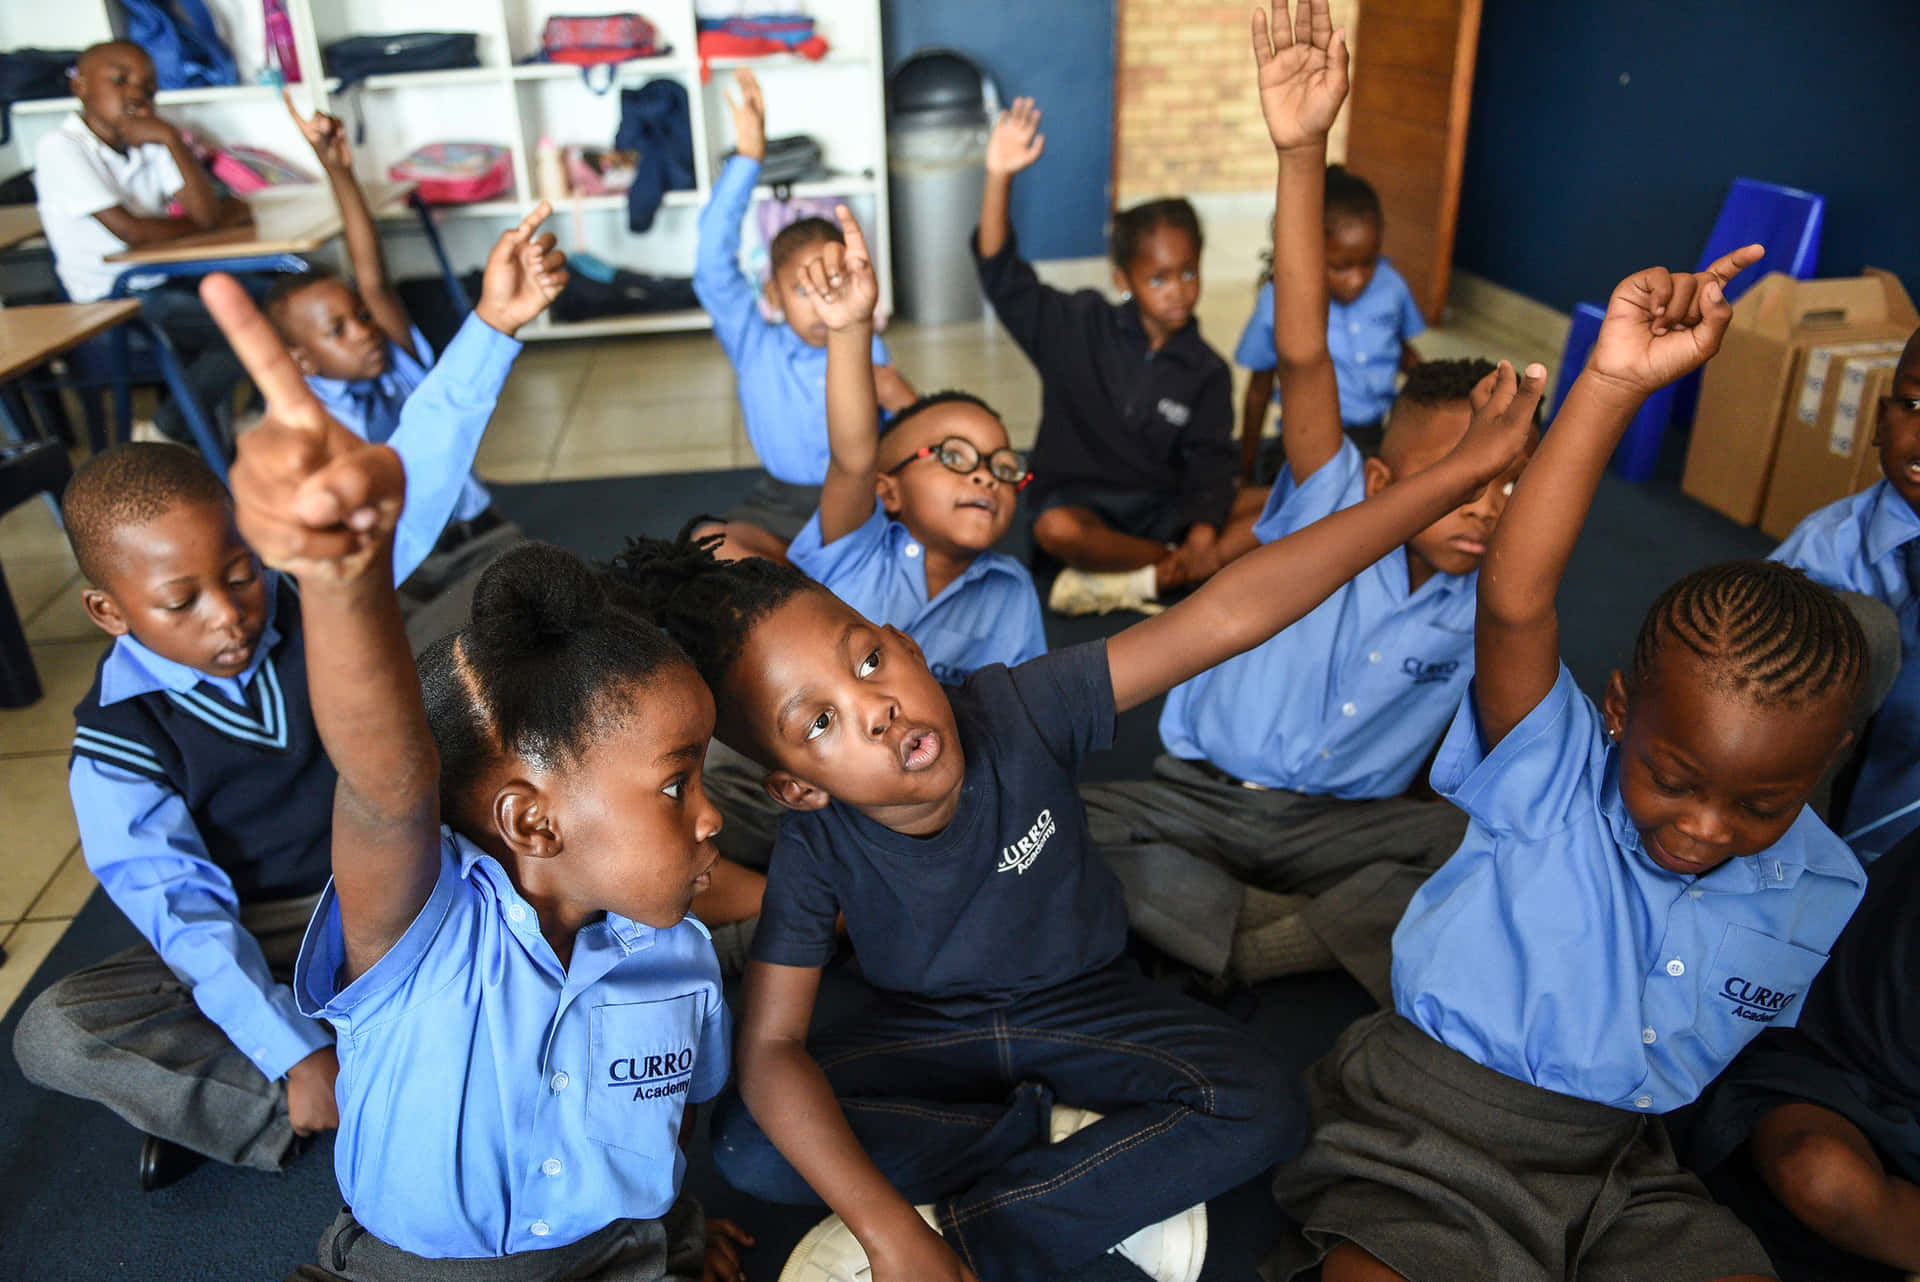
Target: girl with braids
column 1642, row 887
column 524, row 1012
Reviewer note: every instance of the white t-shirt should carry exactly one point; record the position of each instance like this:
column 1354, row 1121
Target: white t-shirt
column 77, row 176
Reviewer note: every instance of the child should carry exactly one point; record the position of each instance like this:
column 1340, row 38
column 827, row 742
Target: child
column 1811, row 1135
column 901, row 540
column 782, row 369
column 202, row 794
column 524, row 1012
column 946, row 825
column 1289, row 766
column 1133, row 466
column 1870, row 543
column 363, row 356
column 106, row 178
column 1370, row 323
column 1643, row 886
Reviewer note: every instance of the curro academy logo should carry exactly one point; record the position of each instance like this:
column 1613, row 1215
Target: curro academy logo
column 1019, row 857
column 1754, row 1001
column 652, row 1076
column 1427, row 673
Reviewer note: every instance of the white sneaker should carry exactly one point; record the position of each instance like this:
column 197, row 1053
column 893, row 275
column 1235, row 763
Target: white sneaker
column 831, row 1253
column 1175, row 1249
column 144, row 430
column 1077, row 592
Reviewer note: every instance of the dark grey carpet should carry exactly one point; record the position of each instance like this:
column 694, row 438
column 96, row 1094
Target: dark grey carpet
column 69, row 1208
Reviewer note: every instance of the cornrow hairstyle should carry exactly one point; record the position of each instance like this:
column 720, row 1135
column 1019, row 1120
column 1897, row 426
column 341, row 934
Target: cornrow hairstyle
column 803, row 233
column 129, row 485
column 707, row 605
column 538, row 672
column 1350, row 196
column 1765, row 630
column 932, row 399
column 287, row 288
column 1130, row 226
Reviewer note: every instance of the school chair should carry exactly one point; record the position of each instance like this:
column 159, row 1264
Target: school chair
column 1784, row 219
column 38, row 467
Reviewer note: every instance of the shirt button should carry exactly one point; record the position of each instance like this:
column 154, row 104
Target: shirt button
column 1325, row 753
column 1353, row 327
column 1348, row 709
column 1676, row 968
column 1695, row 893
column 912, row 549
column 1647, row 1035
column 1374, row 657
column 539, row 1228
column 558, row 1081
column 516, row 913
column 1643, row 1101
column 550, row 1167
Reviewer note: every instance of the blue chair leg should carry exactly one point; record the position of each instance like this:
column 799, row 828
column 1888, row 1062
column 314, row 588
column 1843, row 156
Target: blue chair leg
column 182, row 391
column 447, row 274
column 120, row 372
column 25, row 470
column 19, row 683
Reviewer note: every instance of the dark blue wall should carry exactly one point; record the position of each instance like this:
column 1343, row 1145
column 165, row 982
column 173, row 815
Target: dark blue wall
column 1059, row 52
column 1574, row 179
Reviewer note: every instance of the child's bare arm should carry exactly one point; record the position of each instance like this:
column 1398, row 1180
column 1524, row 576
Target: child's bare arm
column 794, row 1104
column 1658, row 327
column 892, row 389
column 841, row 280
column 1271, row 587
column 1303, row 80
column 1015, row 144
column 328, row 138
column 316, row 501
column 1253, row 420
column 204, row 208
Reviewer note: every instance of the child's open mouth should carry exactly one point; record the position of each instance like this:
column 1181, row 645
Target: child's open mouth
column 919, row 750
column 983, row 502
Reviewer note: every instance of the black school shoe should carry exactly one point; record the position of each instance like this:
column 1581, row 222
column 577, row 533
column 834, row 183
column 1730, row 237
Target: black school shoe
column 162, row 1162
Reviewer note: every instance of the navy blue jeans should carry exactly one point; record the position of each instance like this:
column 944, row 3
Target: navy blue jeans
column 954, row 1110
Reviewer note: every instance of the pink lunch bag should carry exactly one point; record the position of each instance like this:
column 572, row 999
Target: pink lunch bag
column 456, row 173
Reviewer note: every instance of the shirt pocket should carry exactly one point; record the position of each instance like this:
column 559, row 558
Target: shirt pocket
column 1753, row 980
column 644, row 1055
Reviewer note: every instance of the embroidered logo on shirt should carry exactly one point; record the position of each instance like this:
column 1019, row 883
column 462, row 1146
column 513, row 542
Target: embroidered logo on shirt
column 652, row 1076
column 1174, row 412
column 1427, row 673
column 1020, row 855
column 1754, row 1001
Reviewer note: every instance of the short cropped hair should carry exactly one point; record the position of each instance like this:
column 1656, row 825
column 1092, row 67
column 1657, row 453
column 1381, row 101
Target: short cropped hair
column 127, row 486
column 950, row 396
column 801, row 234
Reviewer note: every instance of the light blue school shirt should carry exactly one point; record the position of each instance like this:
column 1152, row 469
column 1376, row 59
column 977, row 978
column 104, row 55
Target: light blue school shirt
column 990, row 614
column 1363, row 337
column 492, row 1102
column 138, row 836
column 370, row 407
column 1867, row 544
column 1551, row 948
column 782, row 381
column 1348, row 701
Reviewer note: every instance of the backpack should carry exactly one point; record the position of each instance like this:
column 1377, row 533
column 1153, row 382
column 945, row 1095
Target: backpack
column 456, row 173
column 185, row 46
column 355, row 58
column 793, row 159
column 32, row 73
column 602, row 41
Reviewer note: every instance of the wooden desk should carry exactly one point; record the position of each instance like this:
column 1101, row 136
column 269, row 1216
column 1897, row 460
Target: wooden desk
column 282, row 224
column 32, row 335
column 18, row 224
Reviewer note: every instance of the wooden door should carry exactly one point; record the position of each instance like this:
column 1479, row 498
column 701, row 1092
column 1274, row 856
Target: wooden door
column 1407, row 128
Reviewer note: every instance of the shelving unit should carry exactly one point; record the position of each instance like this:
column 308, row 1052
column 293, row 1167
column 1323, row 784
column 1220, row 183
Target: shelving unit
column 514, row 102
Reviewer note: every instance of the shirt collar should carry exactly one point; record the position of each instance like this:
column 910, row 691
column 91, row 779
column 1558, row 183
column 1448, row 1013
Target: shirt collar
column 898, row 536
column 1184, row 344
column 131, row 669
column 632, row 936
column 1778, row 867
column 1892, row 525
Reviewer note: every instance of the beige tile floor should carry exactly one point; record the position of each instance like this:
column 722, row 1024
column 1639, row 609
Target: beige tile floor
column 582, row 409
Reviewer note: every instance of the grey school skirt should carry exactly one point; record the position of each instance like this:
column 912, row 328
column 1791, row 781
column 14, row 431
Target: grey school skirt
column 1443, row 1169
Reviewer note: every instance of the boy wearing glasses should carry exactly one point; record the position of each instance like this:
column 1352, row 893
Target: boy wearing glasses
column 909, row 514
column 1870, row 543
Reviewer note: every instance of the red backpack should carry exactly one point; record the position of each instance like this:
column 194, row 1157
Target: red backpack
column 602, row 40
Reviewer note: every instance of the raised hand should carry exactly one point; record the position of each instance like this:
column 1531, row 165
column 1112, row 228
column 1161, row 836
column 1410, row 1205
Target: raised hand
column 1503, row 408
column 1302, row 72
column 840, row 278
column 1660, row 325
column 525, row 273
column 1016, row 141
column 749, row 115
column 310, row 497
column 325, row 134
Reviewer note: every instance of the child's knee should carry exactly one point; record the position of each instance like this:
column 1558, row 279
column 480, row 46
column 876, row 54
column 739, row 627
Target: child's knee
column 47, row 1044
column 1822, row 1179
column 1056, row 529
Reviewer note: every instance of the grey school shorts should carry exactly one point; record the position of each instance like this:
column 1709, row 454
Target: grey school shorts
column 779, row 507
column 1443, row 1169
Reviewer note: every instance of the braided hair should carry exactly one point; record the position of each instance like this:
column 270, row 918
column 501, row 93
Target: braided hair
column 708, row 606
column 1763, row 629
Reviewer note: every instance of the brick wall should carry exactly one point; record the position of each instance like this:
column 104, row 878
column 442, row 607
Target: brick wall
column 1187, row 117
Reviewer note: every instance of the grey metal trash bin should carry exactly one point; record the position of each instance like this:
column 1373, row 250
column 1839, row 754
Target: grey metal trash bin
column 940, row 108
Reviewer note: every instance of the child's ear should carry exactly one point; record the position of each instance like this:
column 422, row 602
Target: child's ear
column 793, row 792
column 772, row 295
column 523, row 819
column 1121, row 283
column 104, row 611
column 1377, row 475
column 887, row 490
column 1613, row 706
column 302, row 358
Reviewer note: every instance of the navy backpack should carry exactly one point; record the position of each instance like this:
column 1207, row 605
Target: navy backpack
column 180, row 37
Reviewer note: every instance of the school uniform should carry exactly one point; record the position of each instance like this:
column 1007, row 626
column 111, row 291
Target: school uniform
column 204, row 806
column 990, row 614
column 1142, row 438
column 1870, row 543
column 1286, row 767
column 1555, row 991
column 1364, row 339
column 496, row 1103
column 996, row 946
column 782, row 380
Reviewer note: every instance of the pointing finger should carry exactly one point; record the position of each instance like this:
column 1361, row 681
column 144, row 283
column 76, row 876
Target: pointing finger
column 856, row 239
column 260, row 350
column 1726, row 267
column 532, row 221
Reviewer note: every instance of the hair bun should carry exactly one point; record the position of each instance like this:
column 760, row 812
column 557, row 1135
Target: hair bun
column 532, row 599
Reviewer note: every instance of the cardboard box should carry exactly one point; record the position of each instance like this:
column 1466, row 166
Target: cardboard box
column 1823, row 455
column 1777, row 360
